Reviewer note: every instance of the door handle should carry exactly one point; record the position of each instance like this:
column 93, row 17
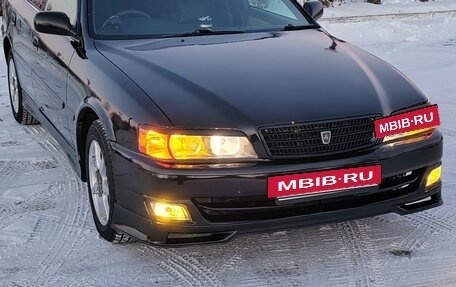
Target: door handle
column 35, row 41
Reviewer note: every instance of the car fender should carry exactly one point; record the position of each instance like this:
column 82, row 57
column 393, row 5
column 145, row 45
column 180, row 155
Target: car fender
column 96, row 106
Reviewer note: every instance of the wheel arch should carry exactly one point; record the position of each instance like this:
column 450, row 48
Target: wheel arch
column 86, row 115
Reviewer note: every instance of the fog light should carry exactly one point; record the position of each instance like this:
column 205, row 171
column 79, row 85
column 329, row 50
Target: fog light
column 170, row 212
column 434, row 176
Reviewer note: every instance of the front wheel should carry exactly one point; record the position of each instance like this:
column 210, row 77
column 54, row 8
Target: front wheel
column 100, row 183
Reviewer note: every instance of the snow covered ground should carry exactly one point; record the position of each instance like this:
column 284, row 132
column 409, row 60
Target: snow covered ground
column 47, row 237
column 388, row 7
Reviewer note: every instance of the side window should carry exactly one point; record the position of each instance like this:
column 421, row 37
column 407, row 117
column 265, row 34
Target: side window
column 274, row 6
column 69, row 7
column 39, row 4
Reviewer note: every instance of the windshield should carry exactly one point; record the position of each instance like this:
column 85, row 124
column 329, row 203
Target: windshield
column 155, row 18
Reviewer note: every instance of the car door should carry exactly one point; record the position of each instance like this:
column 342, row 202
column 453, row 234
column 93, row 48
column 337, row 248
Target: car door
column 20, row 18
column 51, row 58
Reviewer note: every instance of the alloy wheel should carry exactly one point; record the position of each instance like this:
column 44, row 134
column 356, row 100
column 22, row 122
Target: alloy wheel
column 98, row 181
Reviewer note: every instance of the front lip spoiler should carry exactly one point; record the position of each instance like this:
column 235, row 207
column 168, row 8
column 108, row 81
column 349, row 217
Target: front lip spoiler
column 225, row 232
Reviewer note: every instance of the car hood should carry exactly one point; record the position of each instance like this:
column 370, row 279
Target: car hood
column 259, row 79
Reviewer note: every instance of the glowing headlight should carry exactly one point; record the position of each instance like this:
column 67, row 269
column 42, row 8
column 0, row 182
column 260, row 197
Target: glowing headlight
column 184, row 147
column 188, row 147
column 407, row 134
column 225, row 146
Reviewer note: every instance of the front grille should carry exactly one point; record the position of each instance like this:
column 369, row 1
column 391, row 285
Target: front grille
column 305, row 140
column 245, row 208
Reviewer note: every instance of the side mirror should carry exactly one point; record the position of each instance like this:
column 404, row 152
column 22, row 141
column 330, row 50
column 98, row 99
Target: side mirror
column 314, row 8
column 55, row 23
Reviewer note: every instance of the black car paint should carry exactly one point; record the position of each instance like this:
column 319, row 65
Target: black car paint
column 293, row 76
column 267, row 66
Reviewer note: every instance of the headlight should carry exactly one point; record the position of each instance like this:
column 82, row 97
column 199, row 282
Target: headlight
column 407, row 134
column 187, row 147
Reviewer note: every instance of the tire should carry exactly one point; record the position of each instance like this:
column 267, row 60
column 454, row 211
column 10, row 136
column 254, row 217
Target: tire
column 20, row 114
column 98, row 159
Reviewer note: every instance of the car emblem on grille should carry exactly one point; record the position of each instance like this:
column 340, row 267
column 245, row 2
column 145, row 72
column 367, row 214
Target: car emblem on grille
column 326, row 137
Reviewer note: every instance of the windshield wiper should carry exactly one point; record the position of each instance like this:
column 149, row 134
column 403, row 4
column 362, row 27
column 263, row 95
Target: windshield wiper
column 202, row 32
column 291, row 27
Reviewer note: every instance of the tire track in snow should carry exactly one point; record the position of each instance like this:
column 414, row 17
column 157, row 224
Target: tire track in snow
column 39, row 202
column 362, row 252
column 9, row 143
column 74, row 211
column 19, row 202
column 6, row 171
column 10, row 169
column 438, row 218
column 187, row 270
column 229, row 257
column 426, row 225
column 282, row 270
column 337, row 265
column 263, row 259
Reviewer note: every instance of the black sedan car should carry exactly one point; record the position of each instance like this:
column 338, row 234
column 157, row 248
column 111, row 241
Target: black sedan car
column 194, row 121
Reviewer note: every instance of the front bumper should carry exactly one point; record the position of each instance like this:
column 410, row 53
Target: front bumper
column 224, row 202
